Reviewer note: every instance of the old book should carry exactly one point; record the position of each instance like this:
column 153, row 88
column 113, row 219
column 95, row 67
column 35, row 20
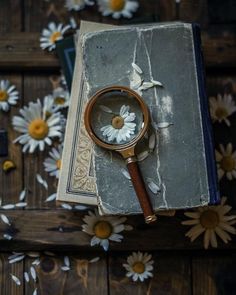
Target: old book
column 65, row 49
column 77, row 182
column 179, row 173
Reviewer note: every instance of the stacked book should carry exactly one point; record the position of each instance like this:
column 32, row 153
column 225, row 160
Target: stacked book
column 163, row 63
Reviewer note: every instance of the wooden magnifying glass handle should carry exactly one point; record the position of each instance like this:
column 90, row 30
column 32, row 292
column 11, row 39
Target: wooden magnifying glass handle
column 140, row 190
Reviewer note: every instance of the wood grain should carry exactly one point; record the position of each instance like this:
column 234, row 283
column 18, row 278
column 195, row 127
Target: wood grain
column 214, row 274
column 23, row 52
column 61, row 229
column 11, row 183
column 7, row 285
column 10, row 16
column 171, row 276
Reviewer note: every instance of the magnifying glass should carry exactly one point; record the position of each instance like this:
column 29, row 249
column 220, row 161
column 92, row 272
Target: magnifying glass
column 116, row 118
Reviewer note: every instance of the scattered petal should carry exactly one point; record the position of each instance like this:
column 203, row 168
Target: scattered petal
column 65, row 268
column 33, row 273
column 153, row 186
column 35, row 292
column 36, row 262
column 95, row 259
column 66, row 206
column 142, row 156
column 21, row 205
column 67, row 261
column 137, row 68
column 105, row 109
column 5, row 219
column 125, row 173
column 156, row 83
column 16, row 280
column 33, row 254
column 80, row 207
column 22, row 195
column 26, row 277
column 164, row 124
column 7, row 237
column 17, row 259
column 8, row 206
column 51, row 198
column 152, row 141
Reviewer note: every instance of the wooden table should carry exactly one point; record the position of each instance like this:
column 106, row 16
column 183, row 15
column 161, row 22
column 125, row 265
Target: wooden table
column 181, row 267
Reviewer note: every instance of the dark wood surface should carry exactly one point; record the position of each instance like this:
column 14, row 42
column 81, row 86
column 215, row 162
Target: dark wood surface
column 180, row 267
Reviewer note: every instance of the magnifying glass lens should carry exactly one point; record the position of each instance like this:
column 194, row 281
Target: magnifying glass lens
column 116, row 117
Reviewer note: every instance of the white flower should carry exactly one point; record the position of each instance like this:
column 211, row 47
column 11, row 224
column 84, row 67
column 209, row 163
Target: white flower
column 60, row 98
column 8, row 95
column 103, row 228
column 52, row 34
column 117, row 8
column 52, row 164
column 211, row 220
column 121, row 127
column 77, row 4
column 226, row 162
column 139, row 266
column 221, row 108
column 36, row 128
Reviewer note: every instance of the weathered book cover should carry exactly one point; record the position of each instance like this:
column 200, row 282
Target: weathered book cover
column 180, row 171
column 77, row 181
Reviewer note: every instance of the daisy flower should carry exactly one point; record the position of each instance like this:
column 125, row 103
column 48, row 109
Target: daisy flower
column 60, row 98
column 104, row 228
column 52, row 164
column 226, row 161
column 52, row 34
column 36, row 128
column 211, row 221
column 117, row 8
column 77, row 4
column 139, row 266
column 8, row 95
column 121, row 126
column 221, row 108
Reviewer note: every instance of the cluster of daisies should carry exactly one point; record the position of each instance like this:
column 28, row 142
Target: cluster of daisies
column 116, row 8
column 222, row 108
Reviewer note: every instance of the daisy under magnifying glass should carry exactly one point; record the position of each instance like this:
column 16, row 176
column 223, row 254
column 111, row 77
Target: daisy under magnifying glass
column 116, row 118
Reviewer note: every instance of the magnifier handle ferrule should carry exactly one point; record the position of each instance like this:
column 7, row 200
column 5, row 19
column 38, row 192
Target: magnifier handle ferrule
column 140, row 190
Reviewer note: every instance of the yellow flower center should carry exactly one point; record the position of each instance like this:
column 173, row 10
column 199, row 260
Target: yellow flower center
column 209, row 219
column 117, row 122
column 117, row 5
column 8, row 165
column 38, row 129
column 3, row 95
column 58, row 164
column 59, row 100
column 102, row 229
column 55, row 36
column 221, row 113
column 228, row 163
column 138, row 267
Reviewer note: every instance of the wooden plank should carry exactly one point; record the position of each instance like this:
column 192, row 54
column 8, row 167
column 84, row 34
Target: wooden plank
column 11, row 183
column 171, row 276
column 22, row 51
column 167, row 10
column 7, row 285
column 214, row 274
column 83, row 275
column 55, row 229
column 194, row 11
column 37, row 86
column 10, row 16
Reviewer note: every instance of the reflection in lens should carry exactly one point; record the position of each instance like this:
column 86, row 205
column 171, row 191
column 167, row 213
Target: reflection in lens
column 116, row 117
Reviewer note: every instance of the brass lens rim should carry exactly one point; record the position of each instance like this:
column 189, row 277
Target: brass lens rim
column 88, row 114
